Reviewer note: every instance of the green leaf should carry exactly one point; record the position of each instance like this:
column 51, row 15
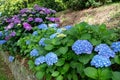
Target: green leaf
column 117, row 59
column 31, row 64
column 63, row 50
column 65, row 68
column 116, row 75
column 85, row 36
column 85, row 58
column 60, row 62
column 39, row 75
column 60, row 77
column 91, row 72
column 49, row 47
column 95, row 42
column 55, row 73
column 75, row 77
column 105, row 74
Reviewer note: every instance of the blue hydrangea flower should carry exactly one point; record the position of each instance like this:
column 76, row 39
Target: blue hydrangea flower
column 104, row 50
column 2, row 42
column 27, row 42
column 1, row 34
column 116, row 46
column 53, row 35
column 100, row 61
column 34, row 52
column 39, row 60
column 53, row 25
column 82, row 46
column 35, row 33
column 43, row 26
column 51, row 58
column 59, row 30
column 68, row 27
column 41, row 42
column 11, row 58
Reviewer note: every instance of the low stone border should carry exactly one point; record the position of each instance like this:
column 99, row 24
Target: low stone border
column 18, row 70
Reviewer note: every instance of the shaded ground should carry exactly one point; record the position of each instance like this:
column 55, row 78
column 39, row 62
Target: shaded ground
column 108, row 14
column 5, row 73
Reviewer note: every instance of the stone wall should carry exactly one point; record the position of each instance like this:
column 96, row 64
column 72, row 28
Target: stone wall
column 18, row 70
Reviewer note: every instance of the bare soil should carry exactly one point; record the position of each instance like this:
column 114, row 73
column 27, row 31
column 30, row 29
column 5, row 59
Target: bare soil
column 108, row 14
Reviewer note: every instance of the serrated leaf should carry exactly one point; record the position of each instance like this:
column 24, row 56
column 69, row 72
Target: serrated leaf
column 39, row 75
column 117, row 59
column 85, row 36
column 60, row 62
column 63, row 50
column 59, row 77
column 49, row 47
column 116, row 75
column 55, row 73
column 105, row 74
column 65, row 68
column 91, row 72
column 85, row 58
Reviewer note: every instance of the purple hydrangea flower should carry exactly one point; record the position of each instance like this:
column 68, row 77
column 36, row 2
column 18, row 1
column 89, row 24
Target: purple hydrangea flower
column 116, row 46
column 12, row 34
column 104, row 50
column 51, row 58
column 39, row 20
column 30, row 19
column 27, row 26
column 24, row 10
column 35, row 33
column 11, row 58
column 41, row 42
column 82, row 46
column 52, row 19
column 7, row 37
column 34, row 52
column 43, row 26
column 11, row 25
column 39, row 60
column 17, row 21
column 37, row 8
column 2, row 42
column 100, row 61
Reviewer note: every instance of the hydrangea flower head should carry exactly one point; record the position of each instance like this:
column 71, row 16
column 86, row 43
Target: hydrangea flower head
column 82, row 46
column 68, row 27
column 11, row 25
column 61, row 35
column 59, row 30
column 2, row 42
column 38, row 20
column 11, row 58
column 116, row 46
column 41, row 42
column 27, row 42
column 43, row 26
column 51, row 58
column 53, row 25
column 35, row 33
column 12, row 34
column 104, row 50
column 53, row 36
column 1, row 34
column 39, row 60
column 30, row 19
column 34, row 52
column 100, row 61
column 27, row 26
